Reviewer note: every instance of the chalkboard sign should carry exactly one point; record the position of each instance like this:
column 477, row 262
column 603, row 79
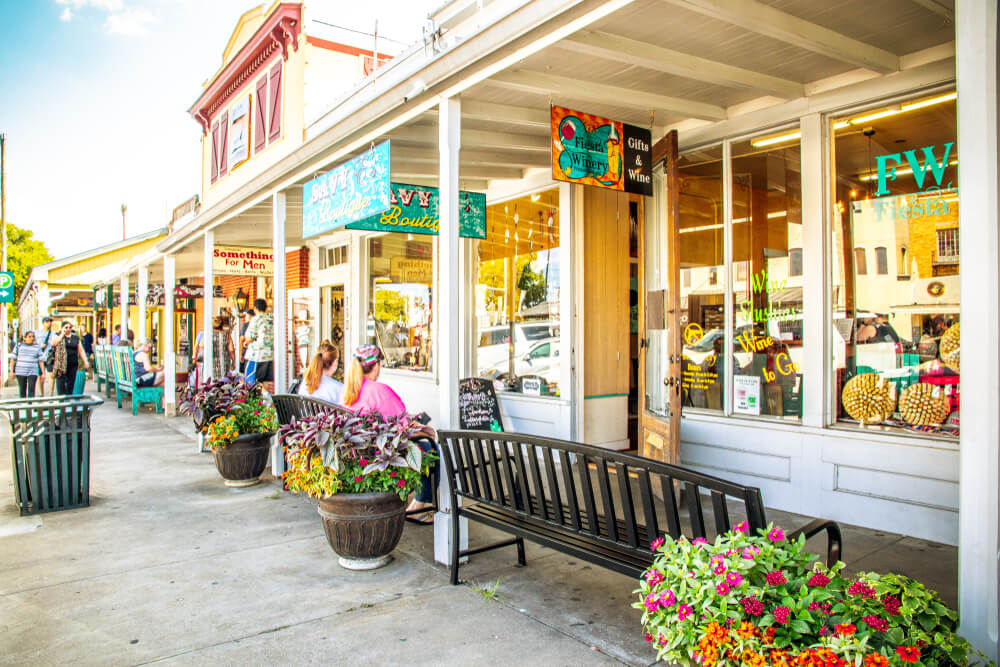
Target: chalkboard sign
column 478, row 408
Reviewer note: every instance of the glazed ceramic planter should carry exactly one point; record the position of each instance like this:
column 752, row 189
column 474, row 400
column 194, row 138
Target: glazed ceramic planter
column 242, row 461
column 363, row 528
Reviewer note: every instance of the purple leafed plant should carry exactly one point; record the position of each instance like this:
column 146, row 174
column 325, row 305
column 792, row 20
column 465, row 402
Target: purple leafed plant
column 216, row 397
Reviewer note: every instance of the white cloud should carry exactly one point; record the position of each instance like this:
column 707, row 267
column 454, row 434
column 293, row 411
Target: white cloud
column 106, row 5
column 67, row 15
column 129, row 22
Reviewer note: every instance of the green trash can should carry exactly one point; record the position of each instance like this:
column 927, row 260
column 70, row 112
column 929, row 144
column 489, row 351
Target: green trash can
column 50, row 451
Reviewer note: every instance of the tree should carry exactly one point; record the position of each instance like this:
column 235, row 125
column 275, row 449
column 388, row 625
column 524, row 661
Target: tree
column 23, row 254
column 390, row 306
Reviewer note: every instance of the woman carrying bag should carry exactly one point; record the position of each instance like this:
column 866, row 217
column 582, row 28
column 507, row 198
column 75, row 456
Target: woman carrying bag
column 69, row 353
column 26, row 365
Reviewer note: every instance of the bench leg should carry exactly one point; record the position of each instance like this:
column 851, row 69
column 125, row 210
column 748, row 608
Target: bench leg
column 520, row 552
column 455, row 542
column 135, row 406
column 118, row 397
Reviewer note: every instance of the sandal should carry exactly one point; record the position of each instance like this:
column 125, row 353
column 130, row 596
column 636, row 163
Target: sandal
column 423, row 518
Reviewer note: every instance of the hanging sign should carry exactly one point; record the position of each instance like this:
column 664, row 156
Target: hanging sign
column 414, row 210
column 6, row 287
column 591, row 150
column 478, row 407
column 195, row 291
column 404, row 270
column 355, row 190
column 237, row 261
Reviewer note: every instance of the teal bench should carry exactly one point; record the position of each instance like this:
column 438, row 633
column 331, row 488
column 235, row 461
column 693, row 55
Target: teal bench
column 121, row 358
column 103, row 372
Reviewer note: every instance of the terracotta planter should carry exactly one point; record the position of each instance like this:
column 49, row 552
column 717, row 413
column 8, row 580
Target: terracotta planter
column 242, row 461
column 363, row 528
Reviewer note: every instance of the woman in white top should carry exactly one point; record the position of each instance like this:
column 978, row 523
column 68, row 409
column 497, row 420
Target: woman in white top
column 318, row 382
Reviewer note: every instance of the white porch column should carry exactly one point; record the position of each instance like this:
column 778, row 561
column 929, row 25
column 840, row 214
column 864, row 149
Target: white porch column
column 979, row 214
column 206, row 302
column 280, row 299
column 814, row 242
column 448, row 294
column 169, row 362
column 142, row 286
column 123, row 308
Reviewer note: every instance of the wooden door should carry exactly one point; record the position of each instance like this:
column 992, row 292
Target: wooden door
column 659, row 314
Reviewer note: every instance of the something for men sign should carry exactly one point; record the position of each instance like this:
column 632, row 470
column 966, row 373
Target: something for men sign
column 236, row 261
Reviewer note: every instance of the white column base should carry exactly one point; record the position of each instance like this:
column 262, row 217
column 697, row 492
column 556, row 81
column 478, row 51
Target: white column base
column 443, row 537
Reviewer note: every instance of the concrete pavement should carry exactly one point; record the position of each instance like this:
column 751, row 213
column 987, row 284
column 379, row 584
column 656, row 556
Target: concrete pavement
column 168, row 565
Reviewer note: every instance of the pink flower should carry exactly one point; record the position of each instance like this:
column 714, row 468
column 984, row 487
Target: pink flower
column 862, row 589
column 776, row 535
column 752, row 606
column 392, row 473
column 683, row 612
column 891, row 604
column 718, row 558
column 667, row 599
column 741, row 527
column 750, row 553
column 358, row 478
column 661, row 640
column 653, row 577
column 823, row 631
column 775, row 578
column 649, row 637
column 876, row 623
column 401, row 483
column 656, row 544
column 818, row 580
column 722, row 588
column 720, row 568
column 651, row 602
column 782, row 614
column 363, row 462
column 734, row 579
column 700, row 541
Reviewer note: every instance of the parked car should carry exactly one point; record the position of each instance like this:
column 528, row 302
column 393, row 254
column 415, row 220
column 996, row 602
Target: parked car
column 541, row 360
column 494, row 343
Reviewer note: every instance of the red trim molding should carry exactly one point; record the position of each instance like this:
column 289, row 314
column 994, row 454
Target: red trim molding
column 279, row 31
column 343, row 48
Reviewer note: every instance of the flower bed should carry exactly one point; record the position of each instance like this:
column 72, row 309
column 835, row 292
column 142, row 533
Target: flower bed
column 762, row 600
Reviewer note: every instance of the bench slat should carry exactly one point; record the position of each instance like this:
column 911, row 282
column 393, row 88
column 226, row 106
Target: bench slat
column 692, row 498
column 588, row 493
column 536, row 477
column 648, row 506
column 628, row 508
column 550, row 475
column 470, row 466
column 569, row 484
column 494, row 458
column 606, row 499
column 483, row 468
column 670, row 506
column 522, row 475
column 515, row 496
column 721, row 512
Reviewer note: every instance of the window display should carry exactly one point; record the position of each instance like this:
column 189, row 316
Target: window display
column 400, row 281
column 517, row 295
column 767, row 304
column 896, row 356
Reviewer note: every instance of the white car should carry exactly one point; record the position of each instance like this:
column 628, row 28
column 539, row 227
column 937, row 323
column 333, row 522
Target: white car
column 494, row 343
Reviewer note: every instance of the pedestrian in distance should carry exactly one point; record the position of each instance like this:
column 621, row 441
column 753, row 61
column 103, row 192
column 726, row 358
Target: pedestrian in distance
column 45, row 337
column 69, row 354
column 26, row 365
column 260, row 350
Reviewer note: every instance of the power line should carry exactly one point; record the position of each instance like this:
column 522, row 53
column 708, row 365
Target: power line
column 360, row 32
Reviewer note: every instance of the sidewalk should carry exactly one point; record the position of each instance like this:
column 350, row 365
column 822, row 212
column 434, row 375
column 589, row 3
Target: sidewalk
column 168, row 565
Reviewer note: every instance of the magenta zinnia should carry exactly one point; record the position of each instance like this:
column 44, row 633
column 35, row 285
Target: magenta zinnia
column 775, row 578
column 782, row 614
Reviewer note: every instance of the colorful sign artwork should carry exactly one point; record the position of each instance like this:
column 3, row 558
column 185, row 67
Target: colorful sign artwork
column 239, row 132
column 592, row 150
column 355, row 190
column 413, row 209
column 237, row 261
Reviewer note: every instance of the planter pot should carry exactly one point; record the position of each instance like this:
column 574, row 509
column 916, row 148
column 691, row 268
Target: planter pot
column 242, row 461
column 363, row 528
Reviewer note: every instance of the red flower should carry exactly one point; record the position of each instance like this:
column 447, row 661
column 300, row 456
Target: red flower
column 891, row 604
column 818, row 580
column 782, row 614
column 908, row 653
column 752, row 606
column 392, row 473
column 845, row 629
column 775, row 578
column 401, row 483
column 358, row 478
column 876, row 622
column 363, row 462
column 876, row 660
column 862, row 589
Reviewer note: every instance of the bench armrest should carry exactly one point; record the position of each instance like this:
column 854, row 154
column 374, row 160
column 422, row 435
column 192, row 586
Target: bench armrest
column 835, row 540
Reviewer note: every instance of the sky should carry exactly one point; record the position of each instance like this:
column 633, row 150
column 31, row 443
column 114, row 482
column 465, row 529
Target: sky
column 95, row 98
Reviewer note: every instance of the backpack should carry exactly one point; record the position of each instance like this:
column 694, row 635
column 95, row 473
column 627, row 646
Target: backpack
column 293, row 386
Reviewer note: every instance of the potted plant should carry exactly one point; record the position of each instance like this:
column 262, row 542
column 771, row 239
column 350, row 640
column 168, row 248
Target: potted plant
column 762, row 600
column 237, row 422
column 361, row 469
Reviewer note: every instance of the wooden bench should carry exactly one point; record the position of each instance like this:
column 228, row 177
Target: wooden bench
column 103, row 372
column 125, row 382
column 591, row 503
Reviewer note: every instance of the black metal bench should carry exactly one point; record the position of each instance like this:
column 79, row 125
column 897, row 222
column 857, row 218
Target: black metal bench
column 591, row 503
column 289, row 406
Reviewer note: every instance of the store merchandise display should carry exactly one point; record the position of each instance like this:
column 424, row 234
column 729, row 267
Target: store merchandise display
column 924, row 405
column 869, row 398
column 949, row 346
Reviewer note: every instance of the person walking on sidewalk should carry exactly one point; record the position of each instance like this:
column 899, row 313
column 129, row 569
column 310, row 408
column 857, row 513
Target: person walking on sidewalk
column 45, row 337
column 26, row 365
column 260, row 351
column 69, row 353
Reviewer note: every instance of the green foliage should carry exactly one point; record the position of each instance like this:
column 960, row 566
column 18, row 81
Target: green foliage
column 390, row 306
column 23, row 254
column 490, row 591
column 532, row 283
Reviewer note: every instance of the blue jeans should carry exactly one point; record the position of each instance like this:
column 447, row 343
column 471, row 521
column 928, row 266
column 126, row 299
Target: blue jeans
column 428, row 483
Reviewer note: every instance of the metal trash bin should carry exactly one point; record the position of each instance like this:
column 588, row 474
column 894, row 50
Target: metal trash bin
column 50, row 451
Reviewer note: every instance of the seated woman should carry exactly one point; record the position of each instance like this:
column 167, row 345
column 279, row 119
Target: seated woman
column 318, row 382
column 145, row 373
column 364, row 393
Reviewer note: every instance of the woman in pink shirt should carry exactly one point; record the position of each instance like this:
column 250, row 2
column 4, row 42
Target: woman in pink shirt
column 363, row 393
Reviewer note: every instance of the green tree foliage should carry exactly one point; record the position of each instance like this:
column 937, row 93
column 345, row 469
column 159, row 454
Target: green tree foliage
column 532, row 283
column 24, row 253
column 390, row 306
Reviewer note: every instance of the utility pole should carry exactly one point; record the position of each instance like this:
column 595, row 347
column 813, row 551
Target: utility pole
column 123, row 222
column 3, row 255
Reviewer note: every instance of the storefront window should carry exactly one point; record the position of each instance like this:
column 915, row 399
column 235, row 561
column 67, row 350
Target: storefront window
column 702, row 245
column 400, row 279
column 767, row 304
column 517, row 295
column 896, row 329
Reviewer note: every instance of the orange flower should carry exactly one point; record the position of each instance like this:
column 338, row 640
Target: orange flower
column 876, row 660
column 746, row 630
column 845, row 629
column 716, row 633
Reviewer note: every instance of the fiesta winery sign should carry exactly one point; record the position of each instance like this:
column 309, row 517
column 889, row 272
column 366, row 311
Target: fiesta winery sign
column 237, row 261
